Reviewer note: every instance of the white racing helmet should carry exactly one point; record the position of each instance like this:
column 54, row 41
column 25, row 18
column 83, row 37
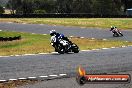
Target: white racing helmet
column 52, row 32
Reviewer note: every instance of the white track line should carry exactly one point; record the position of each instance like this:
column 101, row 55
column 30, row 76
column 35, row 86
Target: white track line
column 71, row 36
column 53, row 75
column 123, row 46
column 95, row 49
column 85, row 50
column 22, row 78
column 113, row 47
column 45, row 34
column 4, row 56
column 81, row 37
column 9, row 22
column 43, row 53
column 104, row 39
column 62, row 74
column 54, row 52
column 29, row 54
column 3, row 80
column 12, row 55
column 93, row 38
column 32, row 77
column 12, row 79
column 105, row 48
column 41, row 24
column 24, row 23
column 43, row 76
column 33, row 33
column 17, row 55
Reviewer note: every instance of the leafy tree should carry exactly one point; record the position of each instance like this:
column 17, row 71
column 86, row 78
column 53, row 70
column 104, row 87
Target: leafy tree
column 27, row 6
column 39, row 11
column 103, row 7
column 106, row 7
column 1, row 10
column 64, row 6
column 11, row 5
column 82, row 6
column 47, row 5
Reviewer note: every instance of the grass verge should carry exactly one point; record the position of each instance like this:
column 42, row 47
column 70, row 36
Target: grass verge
column 89, row 44
column 122, row 23
column 15, row 84
column 38, row 43
column 30, row 43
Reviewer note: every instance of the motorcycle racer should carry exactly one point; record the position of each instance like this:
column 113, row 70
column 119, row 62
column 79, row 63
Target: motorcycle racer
column 115, row 31
column 59, row 36
column 113, row 28
column 62, row 44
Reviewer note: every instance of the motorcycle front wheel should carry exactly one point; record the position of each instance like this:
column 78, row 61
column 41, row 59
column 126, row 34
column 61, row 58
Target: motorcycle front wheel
column 75, row 48
column 60, row 49
column 121, row 34
column 115, row 35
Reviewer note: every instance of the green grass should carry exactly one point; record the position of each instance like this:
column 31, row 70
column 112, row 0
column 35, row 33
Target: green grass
column 89, row 44
column 121, row 23
column 30, row 43
column 38, row 43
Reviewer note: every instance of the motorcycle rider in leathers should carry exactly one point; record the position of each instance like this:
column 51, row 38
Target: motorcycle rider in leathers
column 56, row 36
column 114, row 29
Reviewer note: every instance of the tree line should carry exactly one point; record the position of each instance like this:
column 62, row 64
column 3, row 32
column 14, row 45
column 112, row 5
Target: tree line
column 101, row 7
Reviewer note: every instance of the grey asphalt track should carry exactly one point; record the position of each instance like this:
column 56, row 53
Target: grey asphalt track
column 102, row 61
column 71, row 83
column 68, row 31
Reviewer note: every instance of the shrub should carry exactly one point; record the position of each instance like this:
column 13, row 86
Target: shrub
column 39, row 11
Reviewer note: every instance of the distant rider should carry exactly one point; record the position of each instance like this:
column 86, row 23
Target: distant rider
column 114, row 29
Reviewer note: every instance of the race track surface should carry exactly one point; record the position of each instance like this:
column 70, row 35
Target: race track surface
column 71, row 83
column 68, row 31
column 102, row 61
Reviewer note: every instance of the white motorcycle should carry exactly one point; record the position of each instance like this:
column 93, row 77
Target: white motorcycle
column 116, row 33
column 64, row 46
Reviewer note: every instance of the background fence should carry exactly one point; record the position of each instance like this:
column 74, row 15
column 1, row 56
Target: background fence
column 66, row 15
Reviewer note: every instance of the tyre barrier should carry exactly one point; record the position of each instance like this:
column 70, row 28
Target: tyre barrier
column 10, row 38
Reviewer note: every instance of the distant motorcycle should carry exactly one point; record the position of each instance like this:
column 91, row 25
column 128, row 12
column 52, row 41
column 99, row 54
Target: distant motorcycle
column 116, row 33
column 64, row 46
